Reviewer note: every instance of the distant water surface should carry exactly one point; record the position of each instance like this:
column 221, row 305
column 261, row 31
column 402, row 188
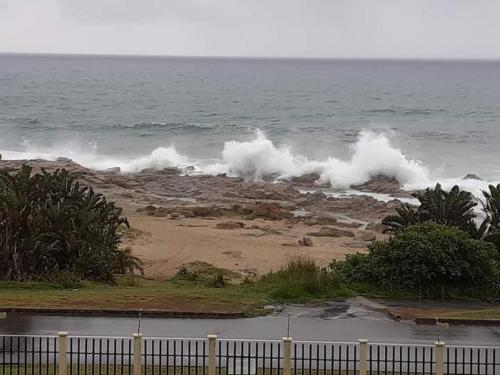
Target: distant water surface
column 104, row 111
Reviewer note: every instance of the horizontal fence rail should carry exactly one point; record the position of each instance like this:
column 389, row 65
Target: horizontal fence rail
column 137, row 355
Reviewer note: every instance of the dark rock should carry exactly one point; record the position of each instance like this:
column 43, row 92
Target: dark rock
column 204, row 211
column 170, row 171
column 324, row 220
column 161, row 212
column 305, row 180
column 472, row 176
column 306, row 241
column 312, row 198
column 270, row 210
column 230, row 225
column 332, row 232
column 380, row 184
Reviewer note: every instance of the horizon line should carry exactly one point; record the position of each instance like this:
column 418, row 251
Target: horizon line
column 344, row 58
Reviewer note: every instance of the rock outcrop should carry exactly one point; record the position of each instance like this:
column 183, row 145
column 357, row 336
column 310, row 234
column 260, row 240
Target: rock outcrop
column 380, row 184
column 270, row 210
column 332, row 232
column 167, row 193
column 305, row 241
column 230, row 225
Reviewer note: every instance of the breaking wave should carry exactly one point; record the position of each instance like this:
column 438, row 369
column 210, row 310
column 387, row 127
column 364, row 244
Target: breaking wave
column 372, row 154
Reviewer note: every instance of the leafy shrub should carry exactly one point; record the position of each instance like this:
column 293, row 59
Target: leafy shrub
column 216, row 281
column 301, row 278
column 186, row 274
column 132, row 281
column 426, row 258
column 68, row 280
column 50, row 224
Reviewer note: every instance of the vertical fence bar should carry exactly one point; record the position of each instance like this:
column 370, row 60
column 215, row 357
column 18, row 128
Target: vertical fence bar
column 211, row 354
column 137, row 353
column 287, row 355
column 363, row 351
column 439, row 357
column 62, row 353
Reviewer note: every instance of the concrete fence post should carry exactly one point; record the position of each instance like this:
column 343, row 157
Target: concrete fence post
column 137, row 353
column 62, row 365
column 287, row 355
column 363, row 356
column 212, row 339
column 439, row 357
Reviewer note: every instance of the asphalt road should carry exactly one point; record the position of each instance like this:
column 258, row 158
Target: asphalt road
column 339, row 322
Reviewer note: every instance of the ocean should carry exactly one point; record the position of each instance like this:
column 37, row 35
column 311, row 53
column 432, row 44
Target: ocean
column 420, row 121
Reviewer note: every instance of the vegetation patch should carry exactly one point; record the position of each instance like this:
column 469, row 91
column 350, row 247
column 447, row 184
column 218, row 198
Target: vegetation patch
column 427, row 260
column 52, row 228
column 301, row 280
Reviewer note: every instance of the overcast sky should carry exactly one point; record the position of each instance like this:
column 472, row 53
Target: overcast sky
column 301, row 28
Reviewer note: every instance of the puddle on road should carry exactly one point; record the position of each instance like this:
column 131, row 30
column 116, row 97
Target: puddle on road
column 331, row 310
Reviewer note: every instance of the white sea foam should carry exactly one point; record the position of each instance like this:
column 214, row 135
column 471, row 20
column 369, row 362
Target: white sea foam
column 88, row 156
column 372, row 154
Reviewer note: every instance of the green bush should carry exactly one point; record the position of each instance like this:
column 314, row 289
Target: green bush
column 302, row 278
column 216, row 281
column 50, row 224
column 428, row 259
column 68, row 280
column 186, row 274
column 131, row 281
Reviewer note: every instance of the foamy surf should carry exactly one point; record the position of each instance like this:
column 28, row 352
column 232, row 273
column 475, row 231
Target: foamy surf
column 372, row 154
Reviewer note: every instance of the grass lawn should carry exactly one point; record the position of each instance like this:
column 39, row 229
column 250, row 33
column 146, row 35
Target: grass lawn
column 191, row 292
column 175, row 295
column 492, row 314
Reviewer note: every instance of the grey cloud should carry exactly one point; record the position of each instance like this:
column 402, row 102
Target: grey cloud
column 322, row 28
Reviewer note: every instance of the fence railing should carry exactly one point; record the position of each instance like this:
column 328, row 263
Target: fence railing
column 138, row 355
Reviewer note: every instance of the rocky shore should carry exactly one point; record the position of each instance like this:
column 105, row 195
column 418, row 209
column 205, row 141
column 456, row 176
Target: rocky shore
column 243, row 226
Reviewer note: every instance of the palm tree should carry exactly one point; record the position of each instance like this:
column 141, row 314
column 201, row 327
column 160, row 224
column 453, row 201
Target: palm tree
column 406, row 215
column 50, row 224
column 491, row 208
column 492, row 205
column 454, row 208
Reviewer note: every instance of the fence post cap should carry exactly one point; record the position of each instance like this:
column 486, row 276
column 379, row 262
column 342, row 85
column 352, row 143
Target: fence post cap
column 439, row 343
column 287, row 339
column 212, row 337
column 62, row 333
column 363, row 341
column 137, row 335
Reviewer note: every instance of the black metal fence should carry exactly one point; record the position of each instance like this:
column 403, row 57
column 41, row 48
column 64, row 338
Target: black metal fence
column 99, row 355
column 41, row 355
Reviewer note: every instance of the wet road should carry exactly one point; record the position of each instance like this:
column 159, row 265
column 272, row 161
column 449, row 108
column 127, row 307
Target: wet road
column 338, row 322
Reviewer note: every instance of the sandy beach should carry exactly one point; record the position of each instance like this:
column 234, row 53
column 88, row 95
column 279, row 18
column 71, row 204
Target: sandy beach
column 247, row 228
column 263, row 245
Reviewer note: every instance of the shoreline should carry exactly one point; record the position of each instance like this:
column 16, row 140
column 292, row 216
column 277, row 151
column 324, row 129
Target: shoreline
column 247, row 228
